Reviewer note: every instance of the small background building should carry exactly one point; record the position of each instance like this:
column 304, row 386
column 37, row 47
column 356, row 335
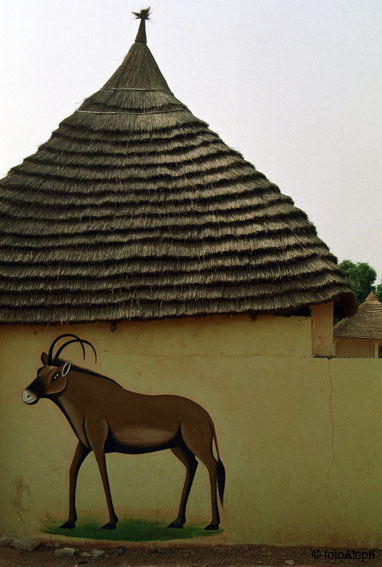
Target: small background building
column 360, row 336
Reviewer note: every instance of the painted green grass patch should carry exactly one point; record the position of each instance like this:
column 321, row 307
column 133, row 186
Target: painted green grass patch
column 128, row 530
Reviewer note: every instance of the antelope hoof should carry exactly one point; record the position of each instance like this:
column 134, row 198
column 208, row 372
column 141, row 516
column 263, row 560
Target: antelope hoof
column 175, row 524
column 68, row 525
column 109, row 526
column 212, row 527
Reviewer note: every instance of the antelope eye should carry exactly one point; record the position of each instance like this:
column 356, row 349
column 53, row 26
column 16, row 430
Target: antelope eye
column 57, row 375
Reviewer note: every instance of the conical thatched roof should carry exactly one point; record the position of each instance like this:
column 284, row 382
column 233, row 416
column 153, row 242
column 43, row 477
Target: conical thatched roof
column 134, row 209
column 365, row 324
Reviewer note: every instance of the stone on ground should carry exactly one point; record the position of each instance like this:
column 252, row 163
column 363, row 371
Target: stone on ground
column 65, row 552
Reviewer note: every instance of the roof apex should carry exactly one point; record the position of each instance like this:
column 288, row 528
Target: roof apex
column 372, row 298
column 143, row 15
column 138, row 70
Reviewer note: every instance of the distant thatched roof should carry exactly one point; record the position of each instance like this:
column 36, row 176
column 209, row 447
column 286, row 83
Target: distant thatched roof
column 365, row 324
column 134, row 209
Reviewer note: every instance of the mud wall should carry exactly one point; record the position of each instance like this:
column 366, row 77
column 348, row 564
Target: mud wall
column 357, row 348
column 300, row 437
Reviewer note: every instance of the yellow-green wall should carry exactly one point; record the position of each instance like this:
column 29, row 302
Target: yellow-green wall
column 357, row 348
column 300, row 437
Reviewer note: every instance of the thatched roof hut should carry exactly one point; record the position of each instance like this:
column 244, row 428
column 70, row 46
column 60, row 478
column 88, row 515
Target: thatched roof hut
column 365, row 324
column 134, row 209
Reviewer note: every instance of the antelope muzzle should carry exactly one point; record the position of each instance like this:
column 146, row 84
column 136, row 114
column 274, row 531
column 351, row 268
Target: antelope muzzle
column 30, row 397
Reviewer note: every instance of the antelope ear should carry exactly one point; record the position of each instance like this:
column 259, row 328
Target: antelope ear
column 44, row 359
column 65, row 369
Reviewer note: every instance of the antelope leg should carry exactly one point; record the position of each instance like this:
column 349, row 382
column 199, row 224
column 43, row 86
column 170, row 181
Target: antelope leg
column 79, row 457
column 201, row 447
column 97, row 431
column 211, row 465
column 189, row 461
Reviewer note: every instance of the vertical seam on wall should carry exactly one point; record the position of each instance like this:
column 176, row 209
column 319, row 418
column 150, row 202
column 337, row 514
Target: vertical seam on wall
column 332, row 457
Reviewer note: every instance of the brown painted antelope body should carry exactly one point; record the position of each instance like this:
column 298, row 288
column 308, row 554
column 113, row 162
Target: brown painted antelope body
column 107, row 418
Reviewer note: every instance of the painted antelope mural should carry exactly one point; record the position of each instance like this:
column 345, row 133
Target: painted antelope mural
column 107, row 418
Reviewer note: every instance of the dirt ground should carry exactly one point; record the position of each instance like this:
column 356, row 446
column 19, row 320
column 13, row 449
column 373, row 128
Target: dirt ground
column 198, row 556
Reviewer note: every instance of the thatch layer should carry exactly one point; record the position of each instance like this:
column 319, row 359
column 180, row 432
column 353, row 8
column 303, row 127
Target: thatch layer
column 365, row 324
column 134, row 209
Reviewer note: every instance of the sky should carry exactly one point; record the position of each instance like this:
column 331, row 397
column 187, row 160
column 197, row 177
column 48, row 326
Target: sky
column 294, row 85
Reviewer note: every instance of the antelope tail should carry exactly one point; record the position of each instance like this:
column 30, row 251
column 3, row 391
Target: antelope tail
column 220, row 470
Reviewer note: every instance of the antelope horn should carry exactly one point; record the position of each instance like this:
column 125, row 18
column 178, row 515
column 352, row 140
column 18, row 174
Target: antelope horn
column 50, row 355
column 65, row 345
column 75, row 341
